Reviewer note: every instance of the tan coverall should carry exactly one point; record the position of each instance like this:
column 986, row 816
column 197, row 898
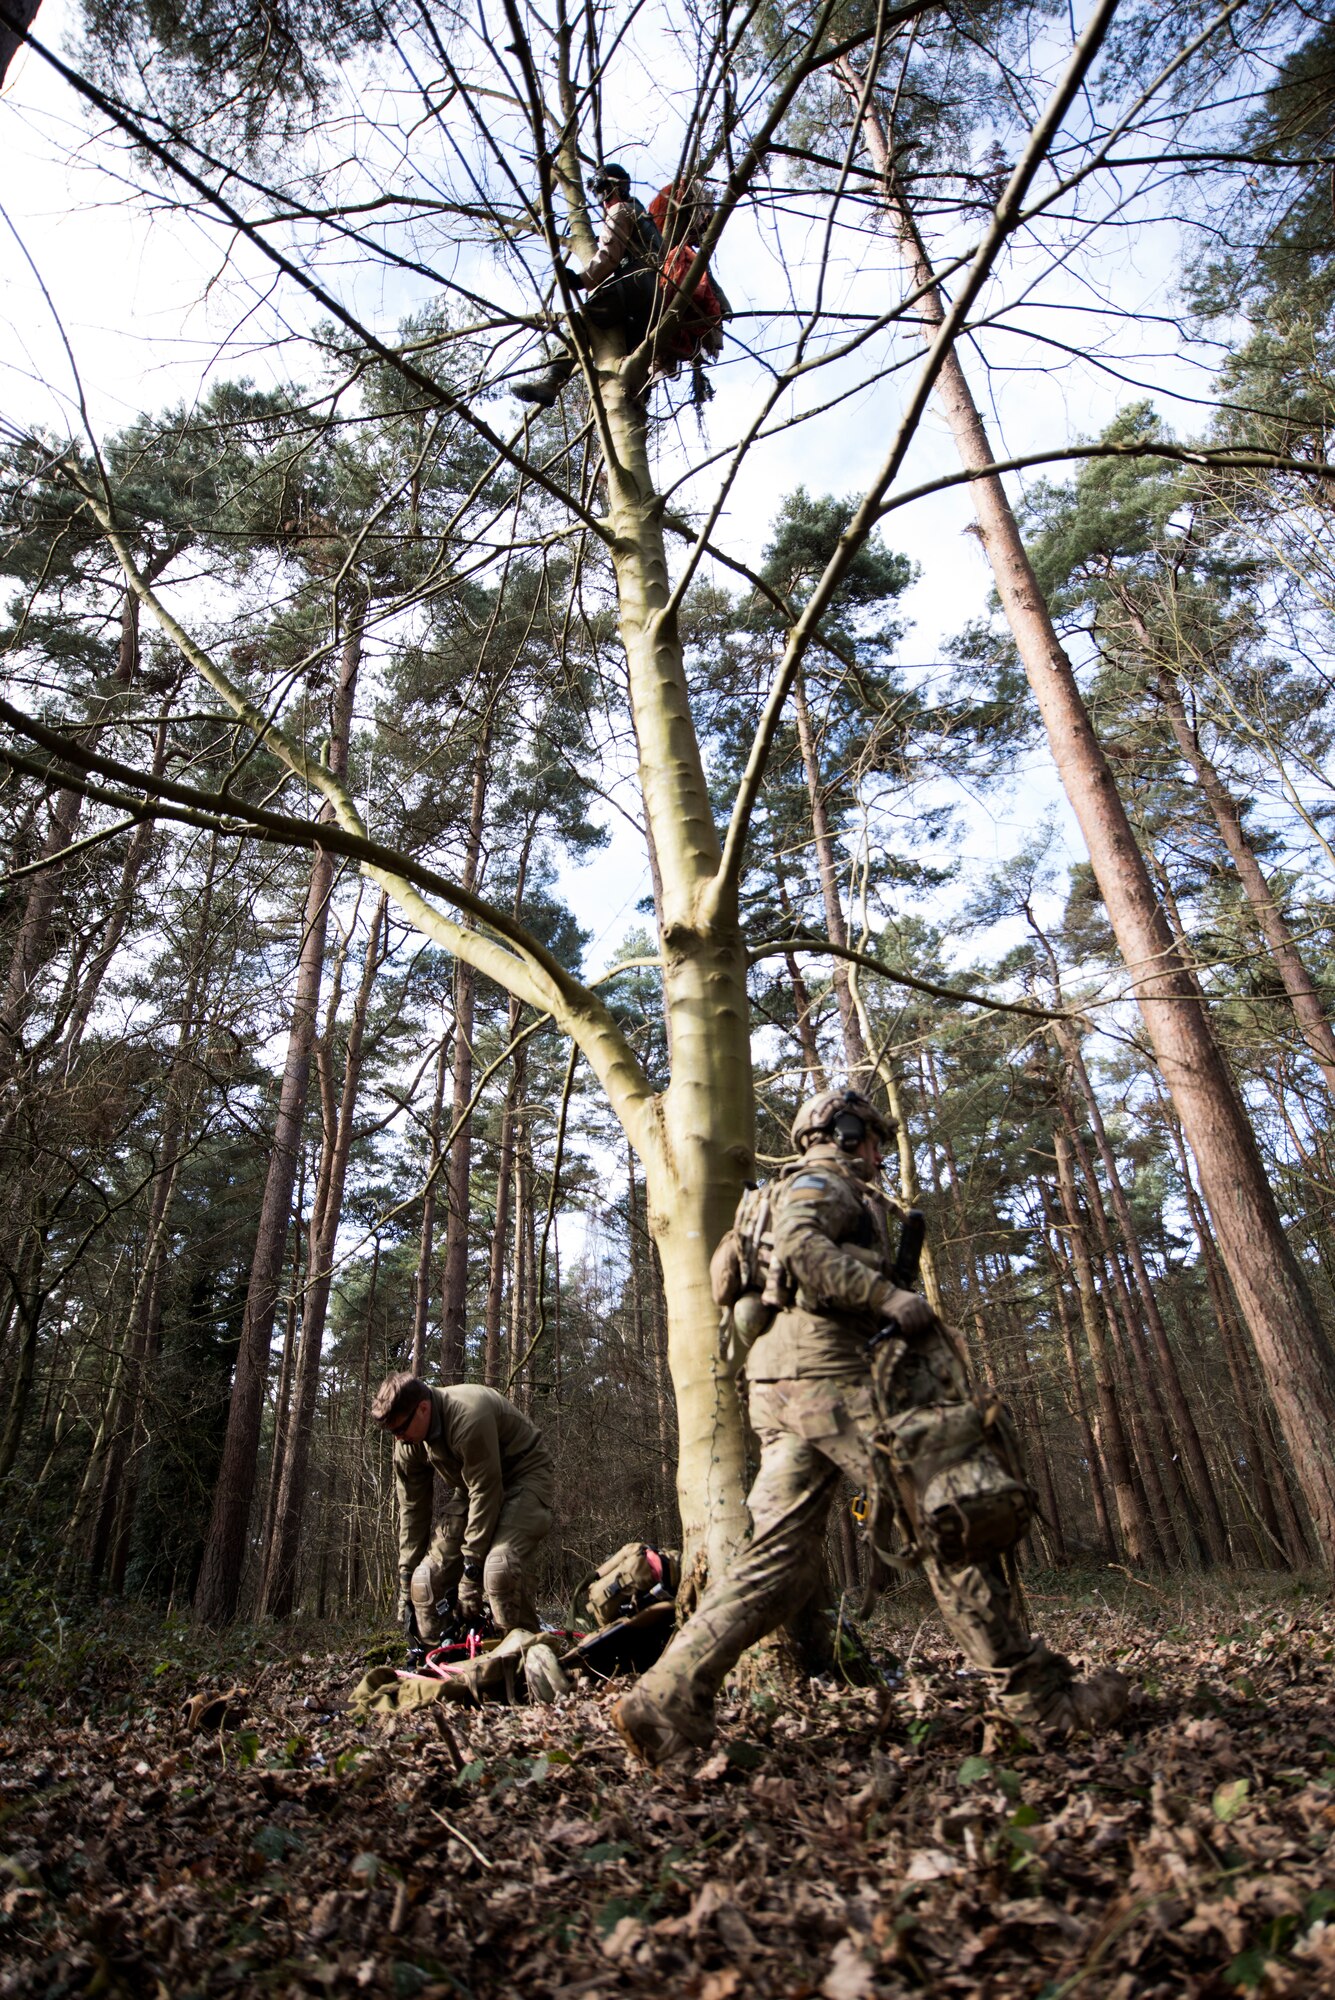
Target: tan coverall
column 499, row 1511
column 811, row 1407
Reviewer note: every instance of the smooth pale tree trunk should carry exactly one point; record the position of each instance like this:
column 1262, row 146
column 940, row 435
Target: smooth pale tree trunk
column 422, row 1275
column 285, row 1552
column 22, row 13
column 1292, row 1344
column 218, row 1590
column 1116, row 1454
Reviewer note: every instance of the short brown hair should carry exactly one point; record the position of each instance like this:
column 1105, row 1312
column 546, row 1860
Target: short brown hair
column 397, row 1397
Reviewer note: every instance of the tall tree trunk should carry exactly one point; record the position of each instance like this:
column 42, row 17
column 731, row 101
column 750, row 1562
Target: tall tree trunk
column 422, row 1275
column 454, row 1304
column 1267, row 1464
column 1291, row 1342
column 492, row 1372
column 827, row 866
column 1158, row 1459
column 218, row 1590
column 1135, row 1528
column 1093, row 1456
column 22, row 13
column 1298, row 982
column 1184, row 1421
column 281, row 1581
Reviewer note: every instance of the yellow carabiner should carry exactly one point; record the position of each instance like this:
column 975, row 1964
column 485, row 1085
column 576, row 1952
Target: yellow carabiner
column 857, row 1507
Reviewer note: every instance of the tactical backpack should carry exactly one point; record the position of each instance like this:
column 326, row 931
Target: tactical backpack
column 950, row 1475
column 627, row 1582
column 748, row 1282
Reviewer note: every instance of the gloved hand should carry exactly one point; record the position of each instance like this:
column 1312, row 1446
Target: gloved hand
column 408, row 1620
column 574, row 278
column 472, row 1601
column 909, row 1311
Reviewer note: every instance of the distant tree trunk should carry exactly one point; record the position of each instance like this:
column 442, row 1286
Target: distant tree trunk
column 1116, row 1454
column 1308, row 1010
column 802, row 1009
column 358, row 1494
column 1158, row 1458
column 1184, row 1421
column 1269, row 1474
column 283, row 1396
column 422, row 1275
column 1093, row 1457
column 454, row 1304
column 827, row 865
column 218, row 1590
column 281, row 1580
column 1291, row 1342
column 492, row 1372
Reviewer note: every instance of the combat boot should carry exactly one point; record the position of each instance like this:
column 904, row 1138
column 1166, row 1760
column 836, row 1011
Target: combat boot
column 543, row 389
column 659, row 1731
column 1043, row 1692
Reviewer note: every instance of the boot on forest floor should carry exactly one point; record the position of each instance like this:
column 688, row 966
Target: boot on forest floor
column 660, row 1732
column 543, row 389
column 1043, row 1692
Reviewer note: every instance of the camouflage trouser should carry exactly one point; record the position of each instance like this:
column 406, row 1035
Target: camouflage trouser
column 810, row 1433
column 524, row 1524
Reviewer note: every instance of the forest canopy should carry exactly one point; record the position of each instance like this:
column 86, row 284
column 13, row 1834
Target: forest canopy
column 446, row 835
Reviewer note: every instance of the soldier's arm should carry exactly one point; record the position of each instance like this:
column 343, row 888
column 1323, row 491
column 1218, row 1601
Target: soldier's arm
column 612, row 241
column 412, row 1486
column 478, row 1444
column 812, row 1212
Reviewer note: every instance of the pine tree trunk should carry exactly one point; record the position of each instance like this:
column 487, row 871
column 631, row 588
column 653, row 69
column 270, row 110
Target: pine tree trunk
column 454, row 1304
column 1184, row 1421
column 1298, row 983
column 281, row 1579
column 855, row 1048
column 1093, row 1456
column 492, row 1372
column 1135, row 1529
column 1291, row 1342
column 422, row 1275
column 218, row 1590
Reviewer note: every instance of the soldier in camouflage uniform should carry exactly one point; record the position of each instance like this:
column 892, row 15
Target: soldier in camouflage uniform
column 499, row 1512
column 811, row 1404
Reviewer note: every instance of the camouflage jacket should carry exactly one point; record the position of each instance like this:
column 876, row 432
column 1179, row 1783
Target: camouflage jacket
column 483, row 1447
column 832, row 1234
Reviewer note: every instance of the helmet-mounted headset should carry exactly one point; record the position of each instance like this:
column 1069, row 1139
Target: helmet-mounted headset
column 844, row 1116
column 611, row 179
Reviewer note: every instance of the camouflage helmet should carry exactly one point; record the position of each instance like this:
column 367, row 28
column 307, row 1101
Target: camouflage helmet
column 842, row 1116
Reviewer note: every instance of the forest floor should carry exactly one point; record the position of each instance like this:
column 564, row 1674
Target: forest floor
column 840, row 1843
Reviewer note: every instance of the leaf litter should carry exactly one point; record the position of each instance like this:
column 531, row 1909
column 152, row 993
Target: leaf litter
column 840, row 1843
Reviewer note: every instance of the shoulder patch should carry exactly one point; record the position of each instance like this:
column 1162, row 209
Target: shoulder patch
column 809, row 1181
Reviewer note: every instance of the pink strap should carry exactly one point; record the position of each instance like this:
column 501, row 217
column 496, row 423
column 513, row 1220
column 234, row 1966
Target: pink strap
column 655, row 1562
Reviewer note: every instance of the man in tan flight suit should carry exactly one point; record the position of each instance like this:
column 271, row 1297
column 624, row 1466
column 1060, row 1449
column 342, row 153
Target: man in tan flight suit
column 812, row 1407
column 499, row 1511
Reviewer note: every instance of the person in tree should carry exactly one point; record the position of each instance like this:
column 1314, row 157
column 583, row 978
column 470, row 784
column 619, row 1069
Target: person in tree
column 851, row 1355
column 621, row 279
column 502, row 1482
